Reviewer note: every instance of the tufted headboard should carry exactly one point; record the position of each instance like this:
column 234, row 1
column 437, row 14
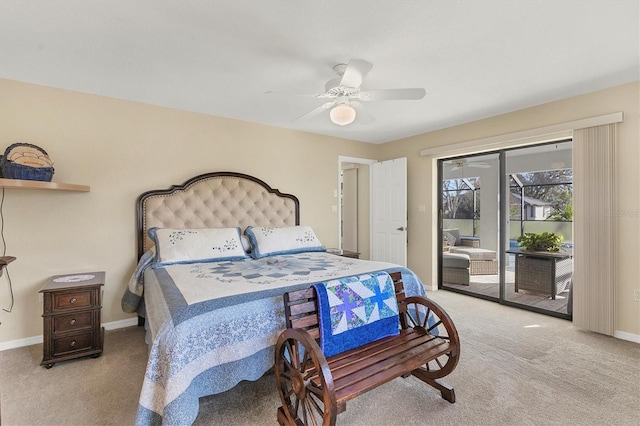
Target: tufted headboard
column 214, row 200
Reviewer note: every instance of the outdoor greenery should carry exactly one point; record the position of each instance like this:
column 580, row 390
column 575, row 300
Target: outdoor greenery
column 461, row 197
column 553, row 186
column 458, row 198
column 564, row 215
column 543, row 241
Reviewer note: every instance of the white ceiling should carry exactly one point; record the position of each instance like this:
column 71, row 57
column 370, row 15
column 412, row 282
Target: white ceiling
column 474, row 58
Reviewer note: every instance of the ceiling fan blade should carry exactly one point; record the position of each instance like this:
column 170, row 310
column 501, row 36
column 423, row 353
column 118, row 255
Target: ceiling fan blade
column 314, row 112
column 304, row 95
column 392, row 94
column 355, row 73
column 454, row 168
column 362, row 115
column 479, row 165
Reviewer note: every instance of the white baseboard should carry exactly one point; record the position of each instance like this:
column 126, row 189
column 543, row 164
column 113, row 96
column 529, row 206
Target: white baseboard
column 28, row 341
column 120, row 324
column 626, row 336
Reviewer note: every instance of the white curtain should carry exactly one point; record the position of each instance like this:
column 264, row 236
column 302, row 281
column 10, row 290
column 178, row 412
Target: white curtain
column 594, row 228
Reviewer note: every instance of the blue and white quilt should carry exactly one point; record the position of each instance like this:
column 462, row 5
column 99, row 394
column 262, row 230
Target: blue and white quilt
column 356, row 310
column 212, row 325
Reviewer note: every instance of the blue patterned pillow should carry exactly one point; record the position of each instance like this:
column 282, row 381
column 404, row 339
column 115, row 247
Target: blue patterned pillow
column 246, row 244
column 268, row 241
column 196, row 245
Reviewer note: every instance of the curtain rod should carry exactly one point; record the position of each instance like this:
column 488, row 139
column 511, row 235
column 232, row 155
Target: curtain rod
column 553, row 131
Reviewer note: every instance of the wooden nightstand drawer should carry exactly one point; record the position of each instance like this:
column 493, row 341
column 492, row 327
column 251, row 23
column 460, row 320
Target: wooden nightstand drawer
column 72, row 322
column 71, row 317
column 72, row 300
column 75, row 343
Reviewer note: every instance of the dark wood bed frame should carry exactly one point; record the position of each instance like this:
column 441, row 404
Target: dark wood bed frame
column 141, row 226
column 309, row 384
column 140, row 203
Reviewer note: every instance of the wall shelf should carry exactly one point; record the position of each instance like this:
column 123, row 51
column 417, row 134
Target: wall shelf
column 35, row 184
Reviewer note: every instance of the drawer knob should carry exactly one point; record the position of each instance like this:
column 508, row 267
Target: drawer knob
column 73, row 321
column 73, row 343
column 73, row 300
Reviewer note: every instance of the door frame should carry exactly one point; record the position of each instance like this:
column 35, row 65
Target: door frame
column 346, row 159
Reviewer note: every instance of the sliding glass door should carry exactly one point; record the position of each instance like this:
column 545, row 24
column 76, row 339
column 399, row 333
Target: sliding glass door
column 539, row 190
column 469, row 226
column 491, row 201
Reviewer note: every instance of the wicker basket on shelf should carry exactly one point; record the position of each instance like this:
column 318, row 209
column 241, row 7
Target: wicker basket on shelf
column 26, row 161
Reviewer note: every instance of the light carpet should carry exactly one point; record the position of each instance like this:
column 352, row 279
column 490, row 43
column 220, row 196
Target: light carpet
column 516, row 368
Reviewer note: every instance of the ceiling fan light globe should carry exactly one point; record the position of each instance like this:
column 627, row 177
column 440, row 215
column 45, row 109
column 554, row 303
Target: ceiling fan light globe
column 342, row 115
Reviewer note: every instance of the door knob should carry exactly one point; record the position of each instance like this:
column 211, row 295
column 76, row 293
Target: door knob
column 402, row 228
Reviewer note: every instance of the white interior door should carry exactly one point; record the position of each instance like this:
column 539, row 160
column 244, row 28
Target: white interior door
column 389, row 211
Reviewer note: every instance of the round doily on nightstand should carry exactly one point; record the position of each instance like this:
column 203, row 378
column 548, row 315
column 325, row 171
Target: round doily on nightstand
column 74, row 278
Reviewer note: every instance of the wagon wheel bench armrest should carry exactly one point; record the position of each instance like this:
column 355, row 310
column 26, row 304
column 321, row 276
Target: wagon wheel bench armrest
column 314, row 389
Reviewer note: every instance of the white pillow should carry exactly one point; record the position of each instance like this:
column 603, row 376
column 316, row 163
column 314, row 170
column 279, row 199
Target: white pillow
column 450, row 239
column 196, row 245
column 267, row 241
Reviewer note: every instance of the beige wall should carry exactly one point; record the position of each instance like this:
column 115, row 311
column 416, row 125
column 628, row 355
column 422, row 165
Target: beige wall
column 121, row 149
column 421, row 176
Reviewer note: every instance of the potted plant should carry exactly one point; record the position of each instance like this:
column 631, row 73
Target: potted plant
column 542, row 241
column 538, row 268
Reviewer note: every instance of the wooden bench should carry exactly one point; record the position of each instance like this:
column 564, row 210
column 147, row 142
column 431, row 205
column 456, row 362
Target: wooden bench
column 314, row 389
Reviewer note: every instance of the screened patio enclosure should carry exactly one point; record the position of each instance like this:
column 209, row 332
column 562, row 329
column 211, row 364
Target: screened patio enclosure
column 490, row 200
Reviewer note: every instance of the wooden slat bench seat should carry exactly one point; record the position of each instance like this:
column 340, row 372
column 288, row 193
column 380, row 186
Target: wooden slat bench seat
column 314, row 389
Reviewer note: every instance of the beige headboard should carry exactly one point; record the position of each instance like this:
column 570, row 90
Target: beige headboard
column 214, row 200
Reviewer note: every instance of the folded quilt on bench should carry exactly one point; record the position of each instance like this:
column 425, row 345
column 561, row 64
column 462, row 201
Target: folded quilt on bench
column 356, row 310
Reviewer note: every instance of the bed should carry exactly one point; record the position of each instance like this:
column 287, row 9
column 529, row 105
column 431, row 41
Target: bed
column 213, row 320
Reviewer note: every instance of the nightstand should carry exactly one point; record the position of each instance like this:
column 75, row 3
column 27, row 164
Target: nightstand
column 71, row 314
column 344, row 253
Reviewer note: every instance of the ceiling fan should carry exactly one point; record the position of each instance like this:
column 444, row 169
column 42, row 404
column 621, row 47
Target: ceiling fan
column 345, row 96
column 459, row 163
